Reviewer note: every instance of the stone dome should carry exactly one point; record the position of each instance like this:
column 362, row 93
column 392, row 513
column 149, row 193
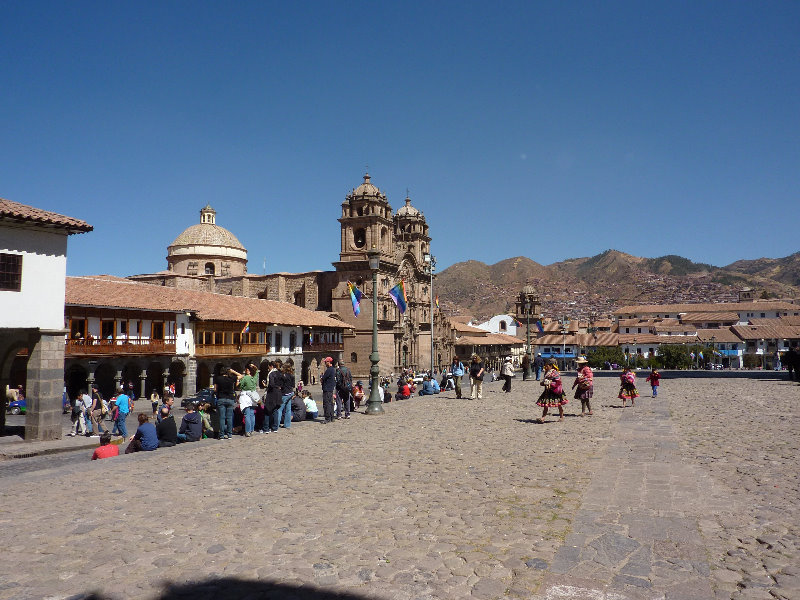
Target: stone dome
column 367, row 190
column 407, row 210
column 206, row 234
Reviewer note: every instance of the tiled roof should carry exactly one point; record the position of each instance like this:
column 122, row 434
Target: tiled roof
column 493, row 339
column 646, row 338
column 602, row 338
column 464, row 319
column 14, row 211
column 462, row 328
column 723, row 316
column 719, row 335
column 678, row 327
column 763, row 305
column 554, row 339
column 768, row 332
column 102, row 292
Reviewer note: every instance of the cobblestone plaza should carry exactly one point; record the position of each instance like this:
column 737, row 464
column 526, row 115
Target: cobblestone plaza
column 690, row 495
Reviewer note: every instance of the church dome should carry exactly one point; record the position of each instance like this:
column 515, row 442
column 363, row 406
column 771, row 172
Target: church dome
column 207, row 233
column 407, row 210
column 366, row 190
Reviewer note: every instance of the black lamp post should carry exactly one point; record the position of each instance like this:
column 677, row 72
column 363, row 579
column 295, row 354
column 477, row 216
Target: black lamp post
column 528, row 302
column 375, row 404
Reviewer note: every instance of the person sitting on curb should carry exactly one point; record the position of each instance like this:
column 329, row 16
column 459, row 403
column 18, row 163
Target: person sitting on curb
column 312, row 412
column 191, row 426
column 166, row 429
column 298, row 408
column 435, row 384
column 427, row 387
column 145, row 439
column 167, row 403
column 106, row 448
column 403, row 390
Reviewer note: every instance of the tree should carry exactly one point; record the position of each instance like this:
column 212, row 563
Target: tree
column 674, row 356
column 597, row 358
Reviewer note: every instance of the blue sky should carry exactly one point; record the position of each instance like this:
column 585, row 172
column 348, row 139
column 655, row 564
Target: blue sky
column 549, row 130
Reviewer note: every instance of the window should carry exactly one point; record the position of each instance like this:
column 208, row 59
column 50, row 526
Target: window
column 639, row 330
column 157, row 330
column 10, row 272
column 77, row 329
column 359, row 238
column 123, row 327
column 385, row 312
column 107, row 330
column 219, row 338
column 183, row 328
column 353, row 357
column 763, row 315
column 278, row 341
column 650, row 351
column 209, row 268
column 292, row 341
column 503, row 326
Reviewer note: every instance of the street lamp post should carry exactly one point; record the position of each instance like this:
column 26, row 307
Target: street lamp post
column 564, row 322
column 374, row 405
column 527, row 305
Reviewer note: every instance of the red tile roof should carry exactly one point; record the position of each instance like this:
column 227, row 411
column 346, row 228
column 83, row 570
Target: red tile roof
column 492, row 339
column 103, row 292
column 22, row 213
column 720, row 335
column 695, row 317
column 763, row 305
column 767, row 332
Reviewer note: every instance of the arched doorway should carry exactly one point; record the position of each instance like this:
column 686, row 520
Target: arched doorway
column 203, row 377
column 130, row 379
column 176, row 372
column 104, row 379
column 75, row 380
column 155, row 379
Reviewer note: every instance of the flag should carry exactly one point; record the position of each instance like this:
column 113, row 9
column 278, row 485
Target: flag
column 246, row 328
column 355, row 298
column 700, row 355
column 398, row 294
column 517, row 323
column 691, row 355
column 539, row 326
column 437, row 301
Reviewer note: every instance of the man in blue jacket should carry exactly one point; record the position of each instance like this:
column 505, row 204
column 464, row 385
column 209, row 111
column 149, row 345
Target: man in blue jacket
column 328, row 381
column 457, row 368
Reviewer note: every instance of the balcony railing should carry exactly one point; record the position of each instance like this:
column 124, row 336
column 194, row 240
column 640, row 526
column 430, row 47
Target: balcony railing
column 229, row 349
column 95, row 347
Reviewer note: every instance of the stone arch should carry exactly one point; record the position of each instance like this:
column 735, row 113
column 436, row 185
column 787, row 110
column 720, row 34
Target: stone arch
column 155, row 379
column 104, row 376
column 203, row 377
column 75, row 380
column 131, row 373
column 210, row 269
column 177, row 370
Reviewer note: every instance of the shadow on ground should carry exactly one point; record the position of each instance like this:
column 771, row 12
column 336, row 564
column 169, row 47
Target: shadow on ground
column 236, row 589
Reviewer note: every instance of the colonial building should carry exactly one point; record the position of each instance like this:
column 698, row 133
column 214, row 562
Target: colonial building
column 33, row 263
column 209, row 257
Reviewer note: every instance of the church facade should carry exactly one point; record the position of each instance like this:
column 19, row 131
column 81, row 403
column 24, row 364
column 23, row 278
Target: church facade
column 210, row 258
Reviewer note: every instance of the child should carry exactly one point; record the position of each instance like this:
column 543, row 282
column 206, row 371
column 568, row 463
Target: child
column 654, row 378
column 312, row 412
column 627, row 388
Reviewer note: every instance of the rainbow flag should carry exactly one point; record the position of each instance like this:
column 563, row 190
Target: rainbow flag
column 700, row 355
column 355, row 298
column 437, row 301
column 398, row 294
column 517, row 323
column 539, row 326
column 246, row 328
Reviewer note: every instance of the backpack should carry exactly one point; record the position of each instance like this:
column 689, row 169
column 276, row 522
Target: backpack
column 348, row 380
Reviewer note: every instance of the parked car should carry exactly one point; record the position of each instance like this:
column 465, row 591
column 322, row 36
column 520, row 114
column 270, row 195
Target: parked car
column 204, row 395
column 17, row 407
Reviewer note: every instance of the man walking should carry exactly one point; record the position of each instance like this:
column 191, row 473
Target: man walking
column 328, row 381
column 124, row 406
column 344, row 387
column 538, row 365
column 507, row 372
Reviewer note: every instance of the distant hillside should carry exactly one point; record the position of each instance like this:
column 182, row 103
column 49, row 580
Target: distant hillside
column 599, row 284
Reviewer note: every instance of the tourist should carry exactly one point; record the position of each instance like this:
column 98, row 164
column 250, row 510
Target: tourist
column 358, row 394
column 403, row 390
column 344, row 385
column 191, row 426
column 224, row 385
column 247, row 383
column 526, row 365
column 298, row 407
column 98, row 411
column 457, row 369
column 553, row 394
column 435, row 384
column 538, row 365
column 328, row 381
column 507, row 372
column 273, row 399
column 654, row 378
column 145, row 439
column 167, row 403
column 106, row 448
column 792, row 360
column 124, row 405
column 312, row 412
column 287, row 393
column 154, row 400
column 627, row 389
column 427, row 387
column 166, row 429
column 585, row 384
column 476, row 372
column 76, row 417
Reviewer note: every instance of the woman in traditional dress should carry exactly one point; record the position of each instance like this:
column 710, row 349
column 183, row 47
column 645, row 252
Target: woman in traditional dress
column 585, row 384
column 553, row 394
column 627, row 388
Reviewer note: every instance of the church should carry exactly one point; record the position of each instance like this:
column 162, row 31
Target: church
column 208, row 257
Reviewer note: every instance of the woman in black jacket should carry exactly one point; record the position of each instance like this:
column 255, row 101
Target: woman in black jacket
column 272, row 403
column 287, row 391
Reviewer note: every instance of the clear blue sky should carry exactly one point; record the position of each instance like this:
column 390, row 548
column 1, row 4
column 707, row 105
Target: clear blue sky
column 549, row 130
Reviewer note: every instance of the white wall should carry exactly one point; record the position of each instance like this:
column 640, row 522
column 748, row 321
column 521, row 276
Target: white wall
column 40, row 303
column 493, row 325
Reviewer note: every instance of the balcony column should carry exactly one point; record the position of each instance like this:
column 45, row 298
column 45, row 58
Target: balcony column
column 117, row 380
column 89, row 380
column 142, row 383
column 165, row 377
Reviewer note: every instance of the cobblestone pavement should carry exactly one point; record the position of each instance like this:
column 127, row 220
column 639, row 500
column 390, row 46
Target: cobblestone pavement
column 691, row 495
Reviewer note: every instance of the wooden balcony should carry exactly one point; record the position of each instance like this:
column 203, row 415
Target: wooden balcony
column 229, row 349
column 95, row 347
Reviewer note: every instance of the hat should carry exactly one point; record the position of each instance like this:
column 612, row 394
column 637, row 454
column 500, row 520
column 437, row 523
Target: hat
column 581, row 360
column 508, row 359
column 328, row 359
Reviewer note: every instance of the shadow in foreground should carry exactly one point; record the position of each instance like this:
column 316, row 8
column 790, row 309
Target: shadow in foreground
column 230, row 588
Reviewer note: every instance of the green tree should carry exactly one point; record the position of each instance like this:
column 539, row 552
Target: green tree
column 674, row 356
column 597, row 358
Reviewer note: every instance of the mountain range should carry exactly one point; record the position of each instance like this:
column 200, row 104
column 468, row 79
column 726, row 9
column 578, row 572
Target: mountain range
column 578, row 287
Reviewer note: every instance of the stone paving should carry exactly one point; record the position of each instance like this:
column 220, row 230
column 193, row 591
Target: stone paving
column 691, row 495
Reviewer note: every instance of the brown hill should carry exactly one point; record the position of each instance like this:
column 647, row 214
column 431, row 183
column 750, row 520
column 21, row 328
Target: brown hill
column 785, row 270
column 599, row 284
